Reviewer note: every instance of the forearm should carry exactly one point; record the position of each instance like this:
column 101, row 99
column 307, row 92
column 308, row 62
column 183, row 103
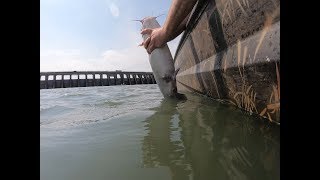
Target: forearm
column 180, row 28
column 178, row 12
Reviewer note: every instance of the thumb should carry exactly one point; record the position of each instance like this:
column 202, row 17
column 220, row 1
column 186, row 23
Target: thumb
column 146, row 31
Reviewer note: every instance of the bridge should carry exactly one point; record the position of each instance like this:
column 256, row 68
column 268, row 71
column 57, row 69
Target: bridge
column 50, row 80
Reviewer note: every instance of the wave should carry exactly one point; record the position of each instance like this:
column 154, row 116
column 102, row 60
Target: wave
column 55, row 110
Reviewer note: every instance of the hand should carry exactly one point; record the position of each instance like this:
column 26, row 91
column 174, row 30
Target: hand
column 156, row 39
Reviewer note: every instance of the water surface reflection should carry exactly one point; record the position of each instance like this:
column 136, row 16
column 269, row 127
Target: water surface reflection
column 200, row 139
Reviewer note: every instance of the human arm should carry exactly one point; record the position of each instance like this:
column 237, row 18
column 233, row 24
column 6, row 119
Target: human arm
column 173, row 26
column 179, row 29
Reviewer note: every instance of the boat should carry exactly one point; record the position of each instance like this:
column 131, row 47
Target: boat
column 230, row 51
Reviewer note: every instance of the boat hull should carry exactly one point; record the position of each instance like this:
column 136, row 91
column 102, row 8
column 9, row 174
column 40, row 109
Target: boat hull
column 230, row 51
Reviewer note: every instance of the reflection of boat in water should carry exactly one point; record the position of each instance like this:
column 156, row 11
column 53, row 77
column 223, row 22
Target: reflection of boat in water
column 231, row 51
column 198, row 141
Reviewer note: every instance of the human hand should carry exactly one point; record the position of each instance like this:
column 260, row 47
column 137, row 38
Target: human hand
column 157, row 38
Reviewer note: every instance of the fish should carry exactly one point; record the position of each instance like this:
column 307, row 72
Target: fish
column 162, row 65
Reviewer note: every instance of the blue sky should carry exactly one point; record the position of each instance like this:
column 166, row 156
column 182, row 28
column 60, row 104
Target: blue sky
column 96, row 34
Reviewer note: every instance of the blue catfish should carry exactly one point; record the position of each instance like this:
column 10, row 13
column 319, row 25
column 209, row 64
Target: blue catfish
column 161, row 62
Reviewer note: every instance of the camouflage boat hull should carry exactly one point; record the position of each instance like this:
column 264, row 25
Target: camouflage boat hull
column 231, row 51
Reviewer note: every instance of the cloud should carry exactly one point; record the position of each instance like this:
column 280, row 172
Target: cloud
column 62, row 60
column 114, row 10
column 88, row 56
column 127, row 59
column 130, row 58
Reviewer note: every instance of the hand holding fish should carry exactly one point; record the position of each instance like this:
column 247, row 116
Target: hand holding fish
column 157, row 38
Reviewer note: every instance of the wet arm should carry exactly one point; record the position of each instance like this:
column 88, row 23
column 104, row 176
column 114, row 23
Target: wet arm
column 180, row 28
column 178, row 13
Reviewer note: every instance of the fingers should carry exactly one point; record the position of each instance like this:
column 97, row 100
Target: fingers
column 150, row 48
column 146, row 31
column 147, row 45
column 146, row 42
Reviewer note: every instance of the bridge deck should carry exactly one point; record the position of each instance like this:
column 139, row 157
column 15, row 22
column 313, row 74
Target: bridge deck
column 50, row 80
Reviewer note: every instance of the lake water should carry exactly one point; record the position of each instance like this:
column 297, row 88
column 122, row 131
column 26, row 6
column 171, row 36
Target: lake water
column 132, row 133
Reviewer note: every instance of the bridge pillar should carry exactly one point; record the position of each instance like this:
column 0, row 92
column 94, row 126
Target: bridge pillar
column 108, row 77
column 94, row 79
column 153, row 80
column 70, row 80
column 46, row 80
column 62, row 81
column 139, row 76
column 78, row 80
column 129, row 79
column 101, row 80
column 147, row 78
column 133, row 81
column 142, row 79
column 122, row 80
column 54, row 81
column 135, row 78
column 86, row 80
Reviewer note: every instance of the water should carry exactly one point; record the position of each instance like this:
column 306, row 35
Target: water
column 130, row 132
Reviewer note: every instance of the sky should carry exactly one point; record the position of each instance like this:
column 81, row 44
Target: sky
column 96, row 35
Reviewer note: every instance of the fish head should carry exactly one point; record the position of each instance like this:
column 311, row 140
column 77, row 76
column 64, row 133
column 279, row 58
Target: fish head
column 150, row 22
column 168, row 84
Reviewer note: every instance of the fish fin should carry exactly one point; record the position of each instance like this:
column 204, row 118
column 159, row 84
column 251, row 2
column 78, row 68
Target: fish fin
column 167, row 78
column 175, row 74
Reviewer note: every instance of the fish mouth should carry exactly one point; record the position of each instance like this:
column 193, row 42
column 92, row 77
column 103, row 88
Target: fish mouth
column 148, row 17
column 142, row 20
